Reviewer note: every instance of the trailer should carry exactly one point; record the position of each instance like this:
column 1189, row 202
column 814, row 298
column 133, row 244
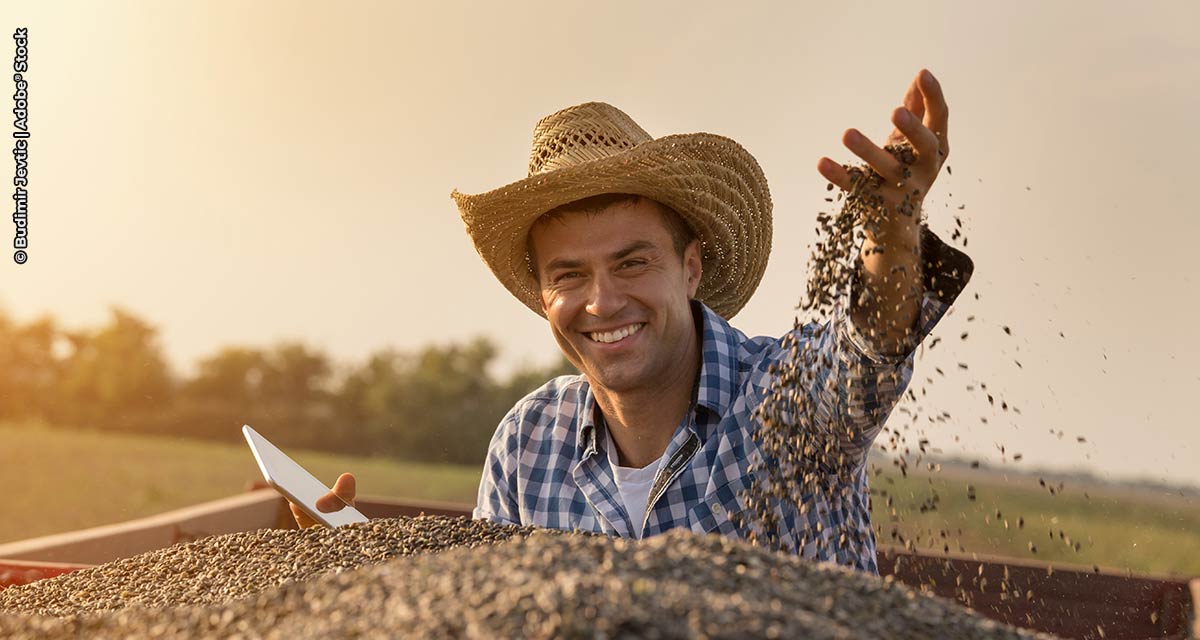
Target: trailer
column 1069, row 601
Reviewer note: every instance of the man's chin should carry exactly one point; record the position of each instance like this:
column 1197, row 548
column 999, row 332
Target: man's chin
column 614, row 380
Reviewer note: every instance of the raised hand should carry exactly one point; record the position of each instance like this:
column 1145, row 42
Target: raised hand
column 891, row 262
column 922, row 121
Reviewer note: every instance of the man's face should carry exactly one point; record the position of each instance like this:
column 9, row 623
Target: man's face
column 617, row 293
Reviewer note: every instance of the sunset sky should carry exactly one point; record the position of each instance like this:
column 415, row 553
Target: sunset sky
column 245, row 173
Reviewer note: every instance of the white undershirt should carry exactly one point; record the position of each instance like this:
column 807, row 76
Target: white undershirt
column 633, row 485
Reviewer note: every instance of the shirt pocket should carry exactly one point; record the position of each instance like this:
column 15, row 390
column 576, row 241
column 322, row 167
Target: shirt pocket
column 720, row 510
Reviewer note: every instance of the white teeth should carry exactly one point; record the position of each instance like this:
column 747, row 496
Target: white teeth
column 613, row 336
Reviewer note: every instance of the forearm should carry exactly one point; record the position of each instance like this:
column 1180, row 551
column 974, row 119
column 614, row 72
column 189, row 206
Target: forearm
column 892, row 285
column 862, row 384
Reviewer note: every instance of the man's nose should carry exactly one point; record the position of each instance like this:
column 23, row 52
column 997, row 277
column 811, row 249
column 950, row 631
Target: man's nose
column 605, row 297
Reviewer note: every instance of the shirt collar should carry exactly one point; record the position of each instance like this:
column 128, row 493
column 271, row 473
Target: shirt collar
column 587, row 423
column 718, row 360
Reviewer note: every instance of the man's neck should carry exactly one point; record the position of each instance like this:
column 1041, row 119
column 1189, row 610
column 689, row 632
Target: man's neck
column 642, row 421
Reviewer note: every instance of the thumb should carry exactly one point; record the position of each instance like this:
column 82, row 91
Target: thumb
column 341, row 495
column 346, row 487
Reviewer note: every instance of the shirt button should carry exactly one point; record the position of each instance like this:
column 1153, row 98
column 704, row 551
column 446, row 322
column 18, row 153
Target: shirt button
column 717, row 508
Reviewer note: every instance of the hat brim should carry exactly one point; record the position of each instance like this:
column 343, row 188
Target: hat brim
column 710, row 180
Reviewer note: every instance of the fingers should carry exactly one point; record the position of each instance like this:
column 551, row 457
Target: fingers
column 937, row 114
column 923, row 140
column 884, row 163
column 914, row 100
column 302, row 519
column 922, row 121
column 834, row 173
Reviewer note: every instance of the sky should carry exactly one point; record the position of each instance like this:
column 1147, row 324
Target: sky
column 247, row 173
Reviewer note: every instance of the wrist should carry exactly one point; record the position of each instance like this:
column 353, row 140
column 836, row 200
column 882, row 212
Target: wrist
column 896, row 240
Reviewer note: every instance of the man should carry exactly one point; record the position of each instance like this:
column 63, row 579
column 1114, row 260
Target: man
column 637, row 251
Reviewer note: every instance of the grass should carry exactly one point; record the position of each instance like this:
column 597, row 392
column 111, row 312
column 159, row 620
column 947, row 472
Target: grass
column 58, row 480
column 1115, row 528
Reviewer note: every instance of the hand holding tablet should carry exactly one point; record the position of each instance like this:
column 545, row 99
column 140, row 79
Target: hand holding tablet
column 336, row 500
column 312, row 502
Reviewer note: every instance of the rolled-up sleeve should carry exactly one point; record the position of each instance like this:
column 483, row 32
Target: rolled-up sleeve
column 946, row 272
column 498, row 499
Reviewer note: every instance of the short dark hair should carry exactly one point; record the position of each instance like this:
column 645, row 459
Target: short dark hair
column 681, row 232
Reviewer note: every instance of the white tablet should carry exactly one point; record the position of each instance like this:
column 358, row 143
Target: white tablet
column 296, row 484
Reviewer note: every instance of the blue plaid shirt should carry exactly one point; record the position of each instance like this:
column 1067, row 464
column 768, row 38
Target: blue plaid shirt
column 547, row 466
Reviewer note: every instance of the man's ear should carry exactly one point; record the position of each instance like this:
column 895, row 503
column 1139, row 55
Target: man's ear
column 537, row 280
column 693, row 266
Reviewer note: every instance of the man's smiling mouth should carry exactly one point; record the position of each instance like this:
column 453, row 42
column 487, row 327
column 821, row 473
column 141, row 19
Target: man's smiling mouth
column 606, row 337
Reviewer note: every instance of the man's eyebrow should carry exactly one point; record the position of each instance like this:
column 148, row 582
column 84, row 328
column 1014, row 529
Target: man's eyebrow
column 636, row 246
column 565, row 263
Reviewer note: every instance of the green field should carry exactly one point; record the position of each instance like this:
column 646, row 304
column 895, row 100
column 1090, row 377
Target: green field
column 1120, row 529
column 59, row 480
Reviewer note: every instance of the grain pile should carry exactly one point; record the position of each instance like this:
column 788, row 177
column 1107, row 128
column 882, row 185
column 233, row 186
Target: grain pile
column 534, row 585
column 217, row 569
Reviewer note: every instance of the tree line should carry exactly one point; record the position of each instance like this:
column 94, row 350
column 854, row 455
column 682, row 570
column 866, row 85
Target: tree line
column 437, row 404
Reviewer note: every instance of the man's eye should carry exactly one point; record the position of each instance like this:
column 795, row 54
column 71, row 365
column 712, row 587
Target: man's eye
column 569, row 275
column 632, row 263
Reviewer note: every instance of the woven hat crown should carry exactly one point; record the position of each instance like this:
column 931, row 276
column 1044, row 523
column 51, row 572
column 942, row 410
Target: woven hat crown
column 582, row 133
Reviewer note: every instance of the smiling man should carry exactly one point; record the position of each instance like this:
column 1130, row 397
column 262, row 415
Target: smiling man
column 637, row 251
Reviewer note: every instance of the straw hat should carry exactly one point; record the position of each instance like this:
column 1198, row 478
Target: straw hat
column 594, row 148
